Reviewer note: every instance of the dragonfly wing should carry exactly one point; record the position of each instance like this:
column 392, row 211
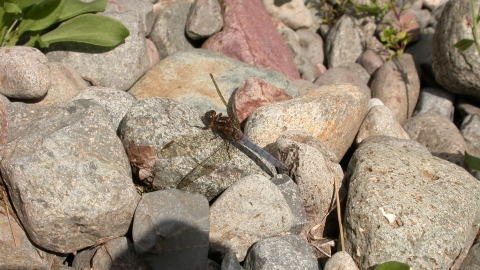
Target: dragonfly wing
column 181, row 156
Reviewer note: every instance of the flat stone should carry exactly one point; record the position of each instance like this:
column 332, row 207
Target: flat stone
column 263, row 48
column 170, row 229
column 184, row 77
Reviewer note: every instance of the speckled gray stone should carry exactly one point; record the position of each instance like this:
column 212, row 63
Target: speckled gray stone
column 433, row 206
column 170, row 230
column 67, row 175
column 115, row 102
column 290, row 252
column 24, row 73
column 118, row 67
column 251, row 209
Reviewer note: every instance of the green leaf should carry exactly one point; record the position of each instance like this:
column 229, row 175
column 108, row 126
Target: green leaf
column 73, row 8
column 375, row 10
column 41, row 16
column 401, row 35
column 12, row 8
column 26, row 3
column 464, row 44
column 472, row 162
column 392, row 266
column 88, row 28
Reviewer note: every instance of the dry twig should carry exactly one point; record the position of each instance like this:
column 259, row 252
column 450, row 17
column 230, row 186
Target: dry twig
column 339, row 214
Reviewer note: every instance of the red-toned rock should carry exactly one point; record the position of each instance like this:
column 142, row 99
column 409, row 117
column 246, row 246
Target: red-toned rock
column 254, row 93
column 250, row 36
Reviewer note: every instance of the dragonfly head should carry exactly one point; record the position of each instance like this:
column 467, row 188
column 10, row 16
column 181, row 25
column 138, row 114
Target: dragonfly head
column 209, row 117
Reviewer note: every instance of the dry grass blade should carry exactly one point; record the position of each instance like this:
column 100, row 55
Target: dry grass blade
column 8, row 217
column 339, row 214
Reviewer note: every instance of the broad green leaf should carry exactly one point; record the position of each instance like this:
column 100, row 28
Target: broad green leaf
column 26, row 3
column 41, row 16
column 73, row 8
column 12, row 8
column 401, row 35
column 392, row 266
column 88, row 28
column 464, row 44
column 368, row 9
column 472, row 162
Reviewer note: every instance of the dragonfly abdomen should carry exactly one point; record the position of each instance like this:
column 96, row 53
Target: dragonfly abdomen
column 257, row 149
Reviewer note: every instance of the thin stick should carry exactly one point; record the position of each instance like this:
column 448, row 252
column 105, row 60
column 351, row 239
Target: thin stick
column 8, row 216
column 339, row 213
column 218, row 90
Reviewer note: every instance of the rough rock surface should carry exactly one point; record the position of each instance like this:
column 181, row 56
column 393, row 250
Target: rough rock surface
column 395, row 189
column 68, row 175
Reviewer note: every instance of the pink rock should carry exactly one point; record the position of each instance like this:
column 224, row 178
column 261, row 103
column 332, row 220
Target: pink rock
column 152, row 52
column 250, row 36
column 410, row 24
column 254, row 93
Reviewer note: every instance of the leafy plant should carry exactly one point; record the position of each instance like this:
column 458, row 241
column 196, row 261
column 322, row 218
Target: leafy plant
column 394, row 36
column 472, row 162
column 44, row 22
column 395, row 39
column 392, row 266
column 376, row 9
column 330, row 13
column 465, row 43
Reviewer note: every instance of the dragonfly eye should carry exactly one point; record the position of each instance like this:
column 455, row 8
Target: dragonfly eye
column 210, row 115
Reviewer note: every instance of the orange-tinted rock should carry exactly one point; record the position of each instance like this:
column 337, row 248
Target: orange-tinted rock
column 250, row 36
column 254, row 93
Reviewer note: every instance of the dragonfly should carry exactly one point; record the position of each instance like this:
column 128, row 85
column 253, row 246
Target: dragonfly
column 201, row 164
column 229, row 126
